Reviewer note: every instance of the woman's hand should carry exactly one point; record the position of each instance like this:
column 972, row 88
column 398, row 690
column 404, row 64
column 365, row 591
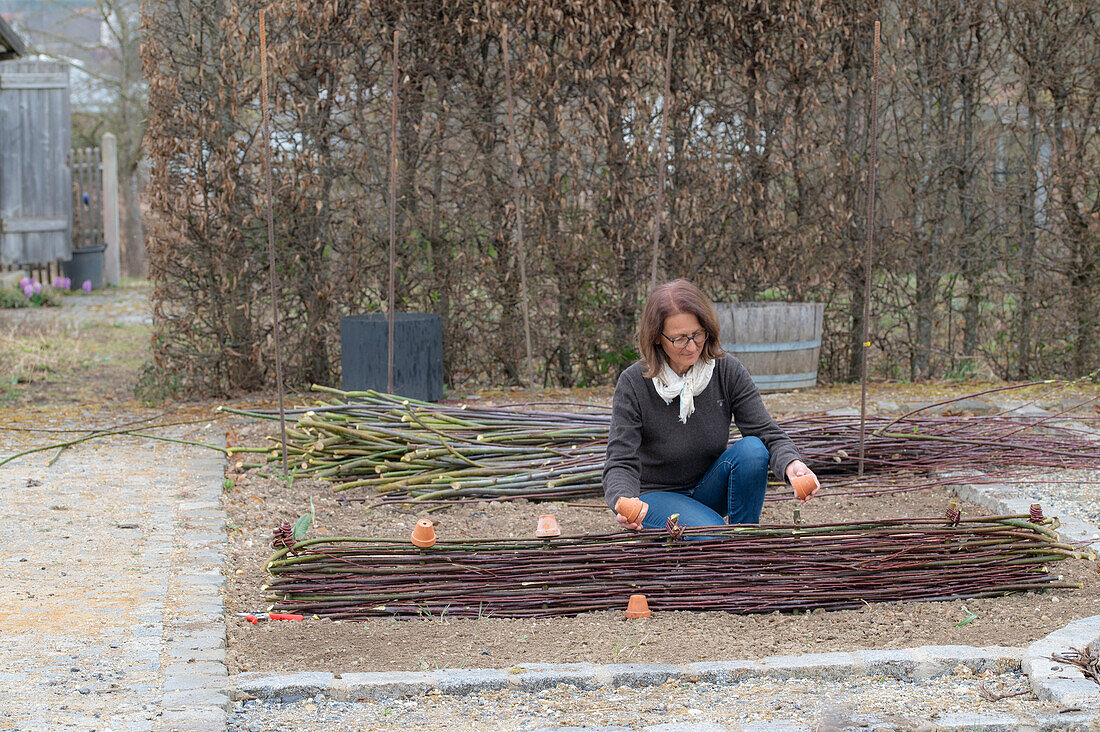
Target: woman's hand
column 629, row 512
column 798, row 469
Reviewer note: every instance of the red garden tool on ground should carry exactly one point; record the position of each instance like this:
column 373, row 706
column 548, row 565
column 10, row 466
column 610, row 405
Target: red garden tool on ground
column 257, row 617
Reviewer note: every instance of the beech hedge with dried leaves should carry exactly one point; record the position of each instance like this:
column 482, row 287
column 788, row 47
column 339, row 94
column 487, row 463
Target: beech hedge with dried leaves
column 986, row 257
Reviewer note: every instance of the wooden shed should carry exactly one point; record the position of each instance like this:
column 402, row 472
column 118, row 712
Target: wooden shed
column 35, row 177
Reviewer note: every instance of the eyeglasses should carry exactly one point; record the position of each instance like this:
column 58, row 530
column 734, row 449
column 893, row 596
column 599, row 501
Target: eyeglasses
column 681, row 342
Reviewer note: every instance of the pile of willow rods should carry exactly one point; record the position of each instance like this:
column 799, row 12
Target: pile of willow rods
column 739, row 569
column 934, row 443
column 405, row 450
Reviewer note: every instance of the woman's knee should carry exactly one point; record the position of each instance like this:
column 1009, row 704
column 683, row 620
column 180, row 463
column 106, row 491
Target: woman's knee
column 751, row 451
column 663, row 504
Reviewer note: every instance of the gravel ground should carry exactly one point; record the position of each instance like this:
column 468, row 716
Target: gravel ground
column 857, row 702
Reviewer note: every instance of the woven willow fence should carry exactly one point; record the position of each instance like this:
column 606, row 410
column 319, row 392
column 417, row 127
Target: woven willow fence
column 740, row 569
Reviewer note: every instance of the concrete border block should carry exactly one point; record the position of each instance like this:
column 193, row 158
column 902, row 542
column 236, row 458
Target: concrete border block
column 686, row 727
column 539, row 676
column 195, row 720
column 1070, row 692
column 1066, row 722
column 638, row 674
column 827, row 666
column 935, row 661
column 895, row 664
column 193, row 698
column 467, row 680
column 722, row 672
column 984, row 721
column 285, row 687
column 378, row 685
column 190, row 681
column 1059, row 682
column 582, row 729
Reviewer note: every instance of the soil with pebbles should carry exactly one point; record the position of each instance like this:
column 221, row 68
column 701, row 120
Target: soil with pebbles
column 255, row 505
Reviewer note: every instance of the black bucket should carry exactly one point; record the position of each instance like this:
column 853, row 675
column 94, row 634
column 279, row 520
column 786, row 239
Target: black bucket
column 86, row 265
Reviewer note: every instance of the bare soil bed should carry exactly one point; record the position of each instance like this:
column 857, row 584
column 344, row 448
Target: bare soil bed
column 256, row 505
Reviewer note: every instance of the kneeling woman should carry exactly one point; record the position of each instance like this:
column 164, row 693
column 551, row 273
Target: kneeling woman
column 670, row 423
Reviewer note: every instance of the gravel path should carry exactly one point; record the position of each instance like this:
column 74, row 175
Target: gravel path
column 855, row 703
column 111, row 614
column 123, row 306
column 101, row 552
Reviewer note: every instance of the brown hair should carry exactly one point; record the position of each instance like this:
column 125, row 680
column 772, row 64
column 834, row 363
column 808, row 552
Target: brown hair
column 678, row 296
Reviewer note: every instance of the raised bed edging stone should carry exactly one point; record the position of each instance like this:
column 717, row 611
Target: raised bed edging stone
column 1058, row 683
column 910, row 664
column 196, row 694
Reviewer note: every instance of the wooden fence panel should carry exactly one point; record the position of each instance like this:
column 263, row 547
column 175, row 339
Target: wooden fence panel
column 35, row 179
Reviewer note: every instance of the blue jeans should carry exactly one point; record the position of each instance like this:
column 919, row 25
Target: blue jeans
column 733, row 487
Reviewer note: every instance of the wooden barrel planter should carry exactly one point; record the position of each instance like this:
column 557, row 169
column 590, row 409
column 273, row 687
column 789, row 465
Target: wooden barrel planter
column 779, row 342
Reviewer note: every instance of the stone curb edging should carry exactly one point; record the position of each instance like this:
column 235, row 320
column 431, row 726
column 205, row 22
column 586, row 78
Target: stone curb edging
column 196, row 689
column 1052, row 682
column 1060, row 683
column 911, row 664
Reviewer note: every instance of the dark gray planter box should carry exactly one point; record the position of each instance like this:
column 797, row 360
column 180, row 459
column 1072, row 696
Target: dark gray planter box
column 417, row 354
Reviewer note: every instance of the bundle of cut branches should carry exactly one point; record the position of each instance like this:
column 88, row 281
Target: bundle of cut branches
column 740, row 569
column 409, row 450
column 925, row 444
column 406, row 449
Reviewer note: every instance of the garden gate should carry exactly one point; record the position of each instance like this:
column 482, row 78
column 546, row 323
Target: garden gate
column 35, row 178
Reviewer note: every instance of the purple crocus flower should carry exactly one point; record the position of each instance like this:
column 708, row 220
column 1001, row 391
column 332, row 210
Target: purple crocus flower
column 87, row 287
column 37, row 287
column 28, row 290
column 25, row 281
column 66, row 283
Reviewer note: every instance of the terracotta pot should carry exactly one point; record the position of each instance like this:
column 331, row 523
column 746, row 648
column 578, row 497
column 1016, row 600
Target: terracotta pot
column 637, row 607
column 632, row 509
column 804, row 486
column 423, row 534
column 548, row 526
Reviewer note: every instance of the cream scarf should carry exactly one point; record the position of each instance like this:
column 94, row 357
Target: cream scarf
column 669, row 385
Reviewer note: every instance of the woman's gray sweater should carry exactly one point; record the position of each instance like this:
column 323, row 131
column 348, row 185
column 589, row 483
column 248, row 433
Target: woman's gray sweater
column 649, row 449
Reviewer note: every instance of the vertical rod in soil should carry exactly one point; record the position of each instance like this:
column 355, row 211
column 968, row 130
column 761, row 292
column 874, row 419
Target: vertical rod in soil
column 513, row 153
column 393, row 215
column 872, row 135
column 661, row 154
column 271, row 234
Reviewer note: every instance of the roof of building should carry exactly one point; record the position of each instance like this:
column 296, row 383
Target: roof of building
column 11, row 45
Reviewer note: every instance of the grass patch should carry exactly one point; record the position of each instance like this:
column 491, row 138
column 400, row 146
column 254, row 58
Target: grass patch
column 34, row 357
